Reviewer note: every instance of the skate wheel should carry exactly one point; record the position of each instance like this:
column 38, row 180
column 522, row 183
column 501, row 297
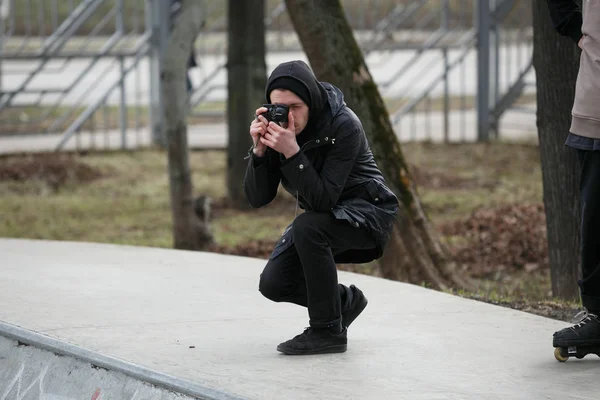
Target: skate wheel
column 558, row 355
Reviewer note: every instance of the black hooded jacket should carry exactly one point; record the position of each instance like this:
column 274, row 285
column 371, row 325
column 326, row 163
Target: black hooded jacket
column 334, row 171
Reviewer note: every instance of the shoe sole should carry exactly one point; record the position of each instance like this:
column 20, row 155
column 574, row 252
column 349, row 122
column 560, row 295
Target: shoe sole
column 576, row 343
column 338, row 348
column 361, row 308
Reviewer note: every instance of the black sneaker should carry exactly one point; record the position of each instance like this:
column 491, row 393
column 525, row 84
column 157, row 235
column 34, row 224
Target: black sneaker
column 357, row 305
column 315, row 341
column 584, row 333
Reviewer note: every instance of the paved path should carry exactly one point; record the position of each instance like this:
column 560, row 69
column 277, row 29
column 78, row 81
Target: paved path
column 199, row 317
column 517, row 126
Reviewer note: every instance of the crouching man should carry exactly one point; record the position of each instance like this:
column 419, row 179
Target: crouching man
column 312, row 143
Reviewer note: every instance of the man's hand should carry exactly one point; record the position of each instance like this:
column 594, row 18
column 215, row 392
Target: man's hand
column 580, row 44
column 281, row 139
column 258, row 128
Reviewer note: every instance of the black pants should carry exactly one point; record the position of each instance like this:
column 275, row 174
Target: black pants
column 590, row 228
column 306, row 274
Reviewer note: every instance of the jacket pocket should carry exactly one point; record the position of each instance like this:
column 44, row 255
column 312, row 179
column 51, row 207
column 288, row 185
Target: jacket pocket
column 380, row 195
column 285, row 242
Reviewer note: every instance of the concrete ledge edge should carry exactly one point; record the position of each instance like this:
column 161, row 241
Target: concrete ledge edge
column 140, row 373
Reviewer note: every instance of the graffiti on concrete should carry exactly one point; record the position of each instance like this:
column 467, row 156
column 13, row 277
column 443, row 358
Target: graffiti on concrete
column 16, row 386
column 18, row 389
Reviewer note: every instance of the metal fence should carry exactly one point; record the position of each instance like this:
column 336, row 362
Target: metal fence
column 449, row 69
column 466, row 74
column 85, row 73
column 82, row 78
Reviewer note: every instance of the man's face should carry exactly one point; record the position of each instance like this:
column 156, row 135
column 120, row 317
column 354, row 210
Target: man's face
column 298, row 108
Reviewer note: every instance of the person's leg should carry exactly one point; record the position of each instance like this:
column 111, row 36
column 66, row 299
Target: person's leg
column 590, row 229
column 282, row 280
column 587, row 331
column 317, row 237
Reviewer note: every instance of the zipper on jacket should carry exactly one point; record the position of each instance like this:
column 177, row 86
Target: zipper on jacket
column 297, row 192
column 297, row 195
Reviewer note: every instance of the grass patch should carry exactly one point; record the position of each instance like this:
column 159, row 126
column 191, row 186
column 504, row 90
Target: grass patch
column 545, row 307
column 135, row 188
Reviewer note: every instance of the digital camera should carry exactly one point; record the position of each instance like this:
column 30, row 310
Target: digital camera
column 276, row 112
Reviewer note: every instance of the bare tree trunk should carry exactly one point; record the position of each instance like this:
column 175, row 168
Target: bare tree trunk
column 189, row 232
column 247, row 77
column 414, row 253
column 556, row 61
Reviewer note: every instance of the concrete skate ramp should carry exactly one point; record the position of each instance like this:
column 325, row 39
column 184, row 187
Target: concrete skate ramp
column 200, row 317
column 37, row 367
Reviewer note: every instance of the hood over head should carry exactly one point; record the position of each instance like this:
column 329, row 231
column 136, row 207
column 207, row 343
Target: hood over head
column 297, row 77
